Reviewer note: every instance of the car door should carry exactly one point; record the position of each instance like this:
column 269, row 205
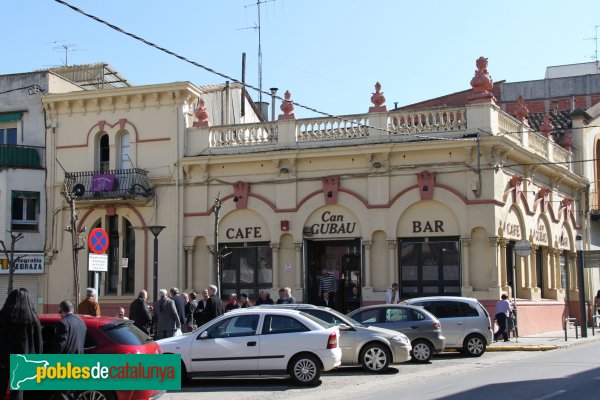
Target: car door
column 281, row 337
column 347, row 340
column 451, row 318
column 230, row 345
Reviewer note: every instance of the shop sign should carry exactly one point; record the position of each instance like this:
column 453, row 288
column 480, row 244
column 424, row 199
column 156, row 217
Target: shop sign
column 512, row 227
column 540, row 235
column 243, row 226
column 563, row 239
column 332, row 224
column 428, row 226
column 248, row 232
column 25, row 264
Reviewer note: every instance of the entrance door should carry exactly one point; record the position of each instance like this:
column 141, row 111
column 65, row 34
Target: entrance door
column 342, row 259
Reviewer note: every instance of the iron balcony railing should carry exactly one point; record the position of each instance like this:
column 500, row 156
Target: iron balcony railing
column 112, row 184
column 13, row 156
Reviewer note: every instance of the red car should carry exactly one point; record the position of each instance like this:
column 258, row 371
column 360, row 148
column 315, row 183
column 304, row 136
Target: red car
column 107, row 335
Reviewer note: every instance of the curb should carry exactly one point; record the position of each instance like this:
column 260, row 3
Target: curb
column 522, row 348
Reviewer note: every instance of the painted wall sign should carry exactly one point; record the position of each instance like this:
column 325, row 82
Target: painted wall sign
column 540, row 234
column 248, row 232
column 428, row 226
column 512, row 226
column 27, row 264
column 332, row 221
column 243, row 225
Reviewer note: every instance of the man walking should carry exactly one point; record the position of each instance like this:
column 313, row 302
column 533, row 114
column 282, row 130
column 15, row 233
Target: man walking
column 214, row 305
column 165, row 316
column 69, row 336
column 502, row 313
column 89, row 305
column 140, row 313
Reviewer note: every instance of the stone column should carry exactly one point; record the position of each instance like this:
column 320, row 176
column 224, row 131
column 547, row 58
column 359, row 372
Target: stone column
column 211, row 267
column 555, row 257
column 298, row 247
column 392, row 245
column 503, row 276
column 189, row 253
column 367, row 244
column 494, row 261
column 530, row 278
column 275, row 266
column 464, row 251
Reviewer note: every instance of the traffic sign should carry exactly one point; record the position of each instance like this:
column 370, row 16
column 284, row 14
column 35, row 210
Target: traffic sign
column 98, row 241
column 523, row 248
column 98, row 262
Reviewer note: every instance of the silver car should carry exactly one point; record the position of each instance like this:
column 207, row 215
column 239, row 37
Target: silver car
column 422, row 328
column 373, row 348
column 465, row 322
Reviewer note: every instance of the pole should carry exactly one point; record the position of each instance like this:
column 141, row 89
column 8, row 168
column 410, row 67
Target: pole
column 155, row 270
column 217, row 253
column 514, row 281
column 582, row 308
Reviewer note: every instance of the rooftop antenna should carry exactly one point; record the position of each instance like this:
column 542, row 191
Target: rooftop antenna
column 595, row 39
column 257, row 27
column 66, row 47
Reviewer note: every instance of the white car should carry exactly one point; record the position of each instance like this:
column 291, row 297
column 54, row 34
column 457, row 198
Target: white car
column 257, row 342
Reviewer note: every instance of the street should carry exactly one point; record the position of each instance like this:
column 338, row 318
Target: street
column 571, row 373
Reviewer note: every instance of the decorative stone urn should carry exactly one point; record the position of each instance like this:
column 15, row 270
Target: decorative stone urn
column 482, row 83
column 378, row 99
column 201, row 114
column 287, row 107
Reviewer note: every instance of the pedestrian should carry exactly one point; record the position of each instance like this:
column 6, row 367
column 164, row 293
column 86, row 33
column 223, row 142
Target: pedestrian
column 353, row 300
column 597, row 306
column 501, row 314
column 325, row 301
column 190, row 307
column 244, row 301
column 200, row 307
column 69, row 336
column 281, row 296
column 21, row 333
column 264, row 298
column 392, row 296
column 166, row 319
column 287, row 296
column 233, row 304
column 179, row 305
column 140, row 313
column 89, row 305
column 327, row 283
column 214, row 305
column 121, row 313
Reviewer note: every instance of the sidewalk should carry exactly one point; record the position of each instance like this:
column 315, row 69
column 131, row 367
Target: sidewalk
column 544, row 341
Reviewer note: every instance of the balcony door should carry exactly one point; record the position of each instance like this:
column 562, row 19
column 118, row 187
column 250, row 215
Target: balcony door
column 124, row 147
column 103, row 153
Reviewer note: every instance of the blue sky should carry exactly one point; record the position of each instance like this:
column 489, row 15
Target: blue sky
column 328, row 53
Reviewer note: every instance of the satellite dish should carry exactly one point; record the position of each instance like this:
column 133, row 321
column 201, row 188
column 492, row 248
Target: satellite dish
column 79, row 190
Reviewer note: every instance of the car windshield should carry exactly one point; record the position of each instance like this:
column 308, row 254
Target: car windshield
column 316, row 320
column 124, row 332
column 345, row 318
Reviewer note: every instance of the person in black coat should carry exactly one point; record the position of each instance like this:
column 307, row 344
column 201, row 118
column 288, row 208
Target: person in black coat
column 264, row 298
column 140, row 314
column 179, row 305
column 20, row 333
column 200, row 307
column 214, row 305
column 69, row 336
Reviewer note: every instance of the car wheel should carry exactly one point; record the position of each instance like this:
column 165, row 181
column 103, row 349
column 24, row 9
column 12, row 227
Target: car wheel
column 305, row 370
column 474, row 346
column 94, row 395
column 375, row 357
column 422, row 351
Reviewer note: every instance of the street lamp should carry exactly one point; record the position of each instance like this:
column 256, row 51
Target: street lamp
column 156, row 230
column 216, row 254
column 582, row 310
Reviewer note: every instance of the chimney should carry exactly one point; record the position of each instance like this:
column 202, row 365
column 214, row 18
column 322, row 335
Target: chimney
column 273, row 99
column 263, row 106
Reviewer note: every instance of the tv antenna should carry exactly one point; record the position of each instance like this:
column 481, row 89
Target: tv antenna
column 256, row 27
column 66, row 47
column 595, row 39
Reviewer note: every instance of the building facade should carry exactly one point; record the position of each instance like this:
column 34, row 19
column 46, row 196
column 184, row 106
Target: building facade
column 434, row 199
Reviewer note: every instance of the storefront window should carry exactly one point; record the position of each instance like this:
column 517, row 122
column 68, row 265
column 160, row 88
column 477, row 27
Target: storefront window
column 429, row 267
column 246, row 267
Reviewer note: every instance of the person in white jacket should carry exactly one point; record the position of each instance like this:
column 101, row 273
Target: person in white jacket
column 393, row 295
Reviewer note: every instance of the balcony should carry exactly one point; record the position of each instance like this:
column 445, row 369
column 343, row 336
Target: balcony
column 13, row 156
column 121, row 184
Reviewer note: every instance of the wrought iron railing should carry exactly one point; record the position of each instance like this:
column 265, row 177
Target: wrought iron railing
column 112, row 184
column 13, row 156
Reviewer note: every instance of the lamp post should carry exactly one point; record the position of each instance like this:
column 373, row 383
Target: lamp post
column 216, row 252
column 155, row 229
column 581, row 286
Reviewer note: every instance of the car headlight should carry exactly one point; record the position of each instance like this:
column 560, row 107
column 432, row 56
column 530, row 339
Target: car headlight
column 400, row 338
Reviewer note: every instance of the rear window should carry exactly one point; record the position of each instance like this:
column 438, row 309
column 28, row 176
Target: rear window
column 125, row 333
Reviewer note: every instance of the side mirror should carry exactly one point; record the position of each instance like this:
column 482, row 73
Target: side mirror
column 344, row 327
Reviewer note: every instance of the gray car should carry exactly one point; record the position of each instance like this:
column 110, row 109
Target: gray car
column 422, row 328
column 373, row 348
column 465, row 322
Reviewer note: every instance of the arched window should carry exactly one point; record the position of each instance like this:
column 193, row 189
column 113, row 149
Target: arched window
column 124, row 159
column 104, row 153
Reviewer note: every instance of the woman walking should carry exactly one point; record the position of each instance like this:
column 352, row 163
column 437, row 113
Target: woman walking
column 21, row 333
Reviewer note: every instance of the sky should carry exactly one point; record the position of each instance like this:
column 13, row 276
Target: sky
column 328, row 53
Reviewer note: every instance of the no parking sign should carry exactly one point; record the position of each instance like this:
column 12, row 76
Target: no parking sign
column 98, row 241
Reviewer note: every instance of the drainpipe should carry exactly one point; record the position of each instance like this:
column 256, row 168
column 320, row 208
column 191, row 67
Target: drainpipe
column 478, row 191
column 273, row 100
